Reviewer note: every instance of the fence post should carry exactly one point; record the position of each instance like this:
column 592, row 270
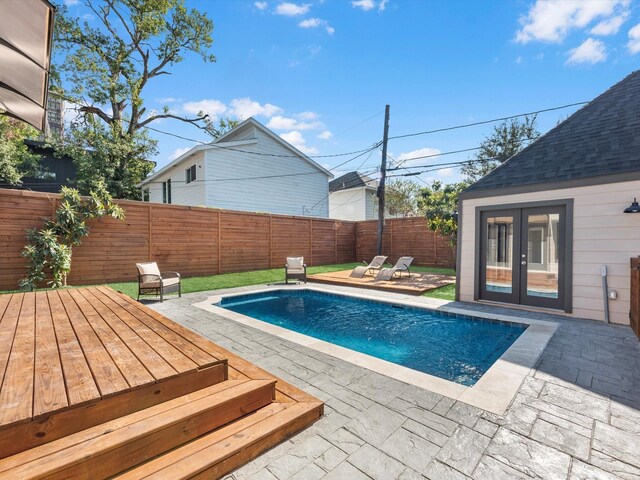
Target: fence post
column 150, row 226
column 335, row 238
column 270, row 242
column 355, row 240
column 311, row 240
column 435, row 248
column 391, row 237
column 219, row 242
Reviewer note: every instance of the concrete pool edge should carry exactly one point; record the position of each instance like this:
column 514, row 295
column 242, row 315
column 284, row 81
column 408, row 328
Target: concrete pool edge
column 494, row 391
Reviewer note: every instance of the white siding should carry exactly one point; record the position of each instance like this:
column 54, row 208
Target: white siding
column 192, row 194
column 372, row 205
column 602, row 235
column 305, row 193
column 348, row 204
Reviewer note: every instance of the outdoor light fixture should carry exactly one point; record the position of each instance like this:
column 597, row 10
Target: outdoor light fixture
column 634, row 208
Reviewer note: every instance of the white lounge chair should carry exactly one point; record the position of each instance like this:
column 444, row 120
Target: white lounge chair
column 151, row 281
column 295, row 268
column 402, row 265
column 376, row 264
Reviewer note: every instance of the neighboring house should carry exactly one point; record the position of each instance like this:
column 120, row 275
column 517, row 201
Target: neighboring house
column 55, row 116
column 537, row 230
column 249, row 168
column 53, row 174
column 353, row 196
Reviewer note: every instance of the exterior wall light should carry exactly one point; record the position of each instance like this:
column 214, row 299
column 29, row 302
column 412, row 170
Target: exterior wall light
column 633, row 208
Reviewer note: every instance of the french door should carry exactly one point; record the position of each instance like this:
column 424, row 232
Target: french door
column 522, row 256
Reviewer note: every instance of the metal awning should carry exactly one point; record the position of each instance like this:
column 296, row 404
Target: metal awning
column 26, row 33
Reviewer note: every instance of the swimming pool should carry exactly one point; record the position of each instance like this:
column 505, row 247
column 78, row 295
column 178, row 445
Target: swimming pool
column 458, row 348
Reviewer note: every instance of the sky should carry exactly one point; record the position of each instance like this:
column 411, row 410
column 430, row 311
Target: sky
column 319, row 73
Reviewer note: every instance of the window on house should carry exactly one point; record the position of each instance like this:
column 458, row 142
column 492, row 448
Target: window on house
column 145, row 195
column 190, row 173
column 42, row 173
column 166, row 191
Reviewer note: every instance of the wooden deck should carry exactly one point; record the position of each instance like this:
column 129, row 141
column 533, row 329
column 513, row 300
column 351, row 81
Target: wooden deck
column 416, row 284
column 95, row 383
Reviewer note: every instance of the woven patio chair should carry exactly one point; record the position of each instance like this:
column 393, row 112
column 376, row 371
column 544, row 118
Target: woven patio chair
column 295, row 268
column 152, row 282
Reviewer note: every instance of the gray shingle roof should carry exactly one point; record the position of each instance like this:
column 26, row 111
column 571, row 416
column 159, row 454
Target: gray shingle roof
column 351, row 180
column 602, row 138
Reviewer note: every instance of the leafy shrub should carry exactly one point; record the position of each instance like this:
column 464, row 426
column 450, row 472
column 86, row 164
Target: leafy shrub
column 50, row 248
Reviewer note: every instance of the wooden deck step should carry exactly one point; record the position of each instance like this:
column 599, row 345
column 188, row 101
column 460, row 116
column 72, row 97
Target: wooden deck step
column 115, row 446
column 72, row 359
column 222, row 451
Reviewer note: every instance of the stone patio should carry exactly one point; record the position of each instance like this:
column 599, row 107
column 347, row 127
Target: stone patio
column 576, row 415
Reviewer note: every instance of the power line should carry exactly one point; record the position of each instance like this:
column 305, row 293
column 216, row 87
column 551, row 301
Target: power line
column 357, row 156
column 484, row 122
column 213, row 145
column 431, row 155
column 360, row 123
column 346, row 185
column 399, row 165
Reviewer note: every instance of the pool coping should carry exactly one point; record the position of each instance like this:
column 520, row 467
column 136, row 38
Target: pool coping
column 493, row 392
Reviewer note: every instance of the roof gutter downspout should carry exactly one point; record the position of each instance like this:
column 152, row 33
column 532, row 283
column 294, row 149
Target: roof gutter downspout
column 605, row 292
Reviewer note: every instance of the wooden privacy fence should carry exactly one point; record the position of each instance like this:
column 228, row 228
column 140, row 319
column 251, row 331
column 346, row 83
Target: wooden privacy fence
column 404, row 237
column 200, row 241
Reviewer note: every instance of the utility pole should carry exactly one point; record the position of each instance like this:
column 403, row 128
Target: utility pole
column 383, row 174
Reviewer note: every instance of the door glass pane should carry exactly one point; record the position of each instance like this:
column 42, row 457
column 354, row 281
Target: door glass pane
column 499, row 254
column 542, row 255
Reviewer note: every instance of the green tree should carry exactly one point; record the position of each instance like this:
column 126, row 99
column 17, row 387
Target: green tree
column 439, row 204
column 107, row 68
column 507, row 139
column 401, row 197
column 16, row 161
column 103, row 157
column 50, row 248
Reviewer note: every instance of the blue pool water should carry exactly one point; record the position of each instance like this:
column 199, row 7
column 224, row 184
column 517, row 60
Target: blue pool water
column 453, row 347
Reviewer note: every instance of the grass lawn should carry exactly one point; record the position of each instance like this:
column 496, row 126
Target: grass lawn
column 256, row 277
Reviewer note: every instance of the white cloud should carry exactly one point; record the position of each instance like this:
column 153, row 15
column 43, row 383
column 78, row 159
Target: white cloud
column 281, row 123
column 365, row 5
column 326, row 135
column 69, row 3
column 519, row 60
column 382, row 5
column 286, row 123
column 178, row 152
column 427, row 155
column 296, row 139
column 167, row 100
column 213, row 108
column 310, row 23
column 445, row 172
column 610, row 26
column 245, row 107
column 552, row 20
column 260, row 5
column 308, row 116
column 634, row 39
column 289, row 9
column 315, row 23
column 591, row 51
